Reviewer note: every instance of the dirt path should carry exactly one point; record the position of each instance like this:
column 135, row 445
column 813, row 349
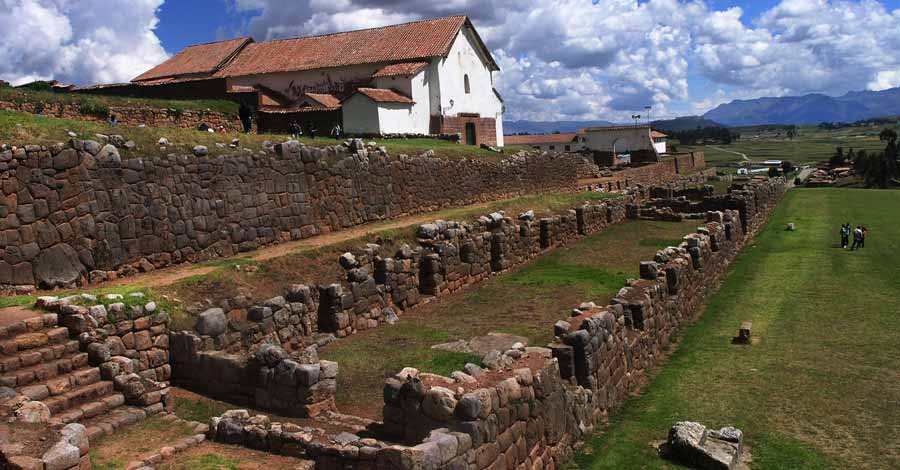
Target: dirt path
column 11, row 315
column 742, row 155
column 171, row 275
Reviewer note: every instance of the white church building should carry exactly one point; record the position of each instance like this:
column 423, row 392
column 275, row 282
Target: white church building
column 426, row 77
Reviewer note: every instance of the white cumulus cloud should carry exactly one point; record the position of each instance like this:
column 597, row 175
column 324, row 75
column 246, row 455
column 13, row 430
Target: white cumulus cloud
column 78, row 41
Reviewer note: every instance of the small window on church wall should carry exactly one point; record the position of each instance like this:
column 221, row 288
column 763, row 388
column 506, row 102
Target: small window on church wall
column 466, row 83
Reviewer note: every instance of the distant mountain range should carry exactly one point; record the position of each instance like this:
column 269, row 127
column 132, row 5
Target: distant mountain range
column 808, row 109
column 684, row 124
column 549, row 127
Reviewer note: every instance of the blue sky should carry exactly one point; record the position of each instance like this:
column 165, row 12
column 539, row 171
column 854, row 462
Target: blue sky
column 560, row 59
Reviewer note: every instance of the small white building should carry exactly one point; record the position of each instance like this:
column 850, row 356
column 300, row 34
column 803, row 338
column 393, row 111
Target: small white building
column 641, row 142
column 426, row 77
column 563, row 142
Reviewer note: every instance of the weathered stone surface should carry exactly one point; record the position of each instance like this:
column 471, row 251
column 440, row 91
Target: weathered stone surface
column 692, row 444
column 32, row 412
column 212, row 322
column 98, row 353
column 439, row 403
column 62, row 456
column 58, row 266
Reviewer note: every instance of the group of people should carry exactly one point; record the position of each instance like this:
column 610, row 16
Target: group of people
column 297, row 130
column 859, row 236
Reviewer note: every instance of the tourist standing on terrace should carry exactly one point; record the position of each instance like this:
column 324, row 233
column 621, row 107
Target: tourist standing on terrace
column 845, row 235
column 857, row 238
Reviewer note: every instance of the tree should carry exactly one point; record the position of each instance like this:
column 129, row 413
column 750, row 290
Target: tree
column 838, row 158
column 787, row 167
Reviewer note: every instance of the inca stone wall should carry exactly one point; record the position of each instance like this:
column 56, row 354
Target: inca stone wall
column 666, row 170
column 295, row 384
column 532, row 411
column 130, row 116
column 77, row 212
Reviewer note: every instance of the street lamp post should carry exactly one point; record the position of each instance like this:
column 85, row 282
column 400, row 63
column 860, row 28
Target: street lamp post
column 648, row 108
column 636, row 118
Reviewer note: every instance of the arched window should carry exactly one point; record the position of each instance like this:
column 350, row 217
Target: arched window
column 466, row 83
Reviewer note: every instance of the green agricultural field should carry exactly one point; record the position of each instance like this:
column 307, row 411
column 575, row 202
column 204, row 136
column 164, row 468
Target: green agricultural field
column 810, row 146
column 820, row 386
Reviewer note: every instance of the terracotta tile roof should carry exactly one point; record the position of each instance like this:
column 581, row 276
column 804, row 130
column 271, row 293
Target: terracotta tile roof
column 396, row 43
column 270, row 97
column 383, row 95
column 612, row 128
column 657, row 135
column 402, row 69
column 196, row 60
column 539, row 139
column 168, row 80
column 324, row 99
column 294, row 109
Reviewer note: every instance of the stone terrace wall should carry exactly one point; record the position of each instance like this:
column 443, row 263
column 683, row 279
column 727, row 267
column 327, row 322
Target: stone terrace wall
column 267, row 377
column 524, row 415
column 76, row 212
column 130, row 116
column 681, row 166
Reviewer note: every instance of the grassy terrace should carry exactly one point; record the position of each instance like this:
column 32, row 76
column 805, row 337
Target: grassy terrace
column 117, row 450
column 23, row 128
column 818, row 389
column 812, row 145
column 98, row 105
column 265, row 279
column 309, row 260
column 526, row 302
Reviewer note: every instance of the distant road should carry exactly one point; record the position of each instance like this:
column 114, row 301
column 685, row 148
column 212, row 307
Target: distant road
column 742, row 155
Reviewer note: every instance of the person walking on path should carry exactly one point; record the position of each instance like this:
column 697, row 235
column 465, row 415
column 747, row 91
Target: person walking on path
column 312, row 131
column 857, row 238
column 845, row 235
column 246, row 118
column 862, row 241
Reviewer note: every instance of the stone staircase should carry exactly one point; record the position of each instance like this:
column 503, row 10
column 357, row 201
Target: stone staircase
column 40, row 361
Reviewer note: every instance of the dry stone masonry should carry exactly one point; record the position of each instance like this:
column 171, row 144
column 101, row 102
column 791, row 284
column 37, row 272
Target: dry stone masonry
column 77, row 212
column 534, row 406
column 131, row 116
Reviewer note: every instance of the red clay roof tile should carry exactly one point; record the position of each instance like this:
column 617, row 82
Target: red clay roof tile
column 402, row 69
column 396, row 43
column 324, row 99
column 539, row 139
column 383, row 95
column 195, row 60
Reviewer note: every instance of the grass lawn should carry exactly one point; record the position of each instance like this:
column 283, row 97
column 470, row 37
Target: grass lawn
column 812, row 145
column 526, row 302
column 215, row 456
column 819, row 390
column 23, row 128
column 117, row 450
